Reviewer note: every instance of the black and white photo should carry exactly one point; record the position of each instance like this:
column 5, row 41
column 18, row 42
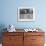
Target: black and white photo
column 26, row 14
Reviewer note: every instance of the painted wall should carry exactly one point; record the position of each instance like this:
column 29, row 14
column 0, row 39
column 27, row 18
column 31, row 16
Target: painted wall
column 8, row 13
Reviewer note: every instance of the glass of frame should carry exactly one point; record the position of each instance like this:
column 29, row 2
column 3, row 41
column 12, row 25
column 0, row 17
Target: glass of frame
column 26, row 14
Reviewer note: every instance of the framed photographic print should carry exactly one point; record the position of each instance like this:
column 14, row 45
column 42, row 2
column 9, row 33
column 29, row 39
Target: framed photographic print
column 26, row 14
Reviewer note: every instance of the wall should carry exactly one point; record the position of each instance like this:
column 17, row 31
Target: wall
column 9, row 13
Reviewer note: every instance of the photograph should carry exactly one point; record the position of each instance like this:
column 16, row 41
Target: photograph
column 26, row 14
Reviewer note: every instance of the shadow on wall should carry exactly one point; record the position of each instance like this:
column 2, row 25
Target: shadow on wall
column 2, row 26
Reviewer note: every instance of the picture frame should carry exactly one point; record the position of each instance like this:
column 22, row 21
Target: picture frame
column 26, row 14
